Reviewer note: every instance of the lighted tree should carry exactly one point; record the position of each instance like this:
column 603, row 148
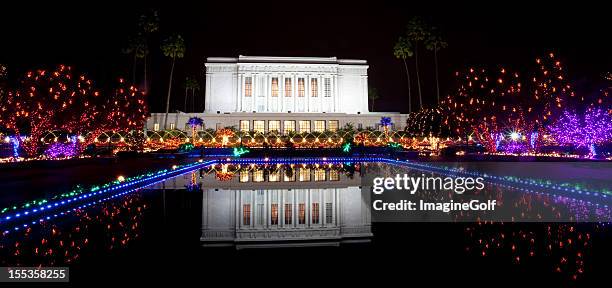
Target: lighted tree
column 594, row 128
column 549, row 93
column 427, row 122
column 489, row 104
column 195, row 122
column 126, row 111
column 48, row 101
column 483, row 105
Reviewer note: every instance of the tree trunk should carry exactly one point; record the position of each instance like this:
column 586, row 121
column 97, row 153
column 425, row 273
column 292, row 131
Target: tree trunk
column 146, row 84
column 416, row 64
column 185, row 104
column 409, row 88
column 168, row 97
column 436, row 69
column 193, row 100
column 134, row 70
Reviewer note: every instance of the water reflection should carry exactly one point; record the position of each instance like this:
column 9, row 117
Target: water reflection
column 91, row 231
column 250, row 206
column 253, row 206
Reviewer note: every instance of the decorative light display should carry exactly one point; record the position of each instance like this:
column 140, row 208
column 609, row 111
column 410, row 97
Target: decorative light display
column 428, row 122
column 225, row 134
column 488, row 102
column 62, row 150
column 15, row 142
column 346, row 147
column 385, row 122
column 195, row 122
column 185, row 147
column 239, row 151
column 594, row 128
column 60, row 100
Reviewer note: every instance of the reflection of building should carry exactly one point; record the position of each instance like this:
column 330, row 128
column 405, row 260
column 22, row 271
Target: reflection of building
column 283, row 94
column 264, row 208
column 282, row 217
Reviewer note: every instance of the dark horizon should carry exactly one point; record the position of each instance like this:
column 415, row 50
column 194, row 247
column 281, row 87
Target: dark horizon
column 92, row 40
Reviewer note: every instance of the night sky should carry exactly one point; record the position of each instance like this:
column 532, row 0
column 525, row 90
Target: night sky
column 91, row 39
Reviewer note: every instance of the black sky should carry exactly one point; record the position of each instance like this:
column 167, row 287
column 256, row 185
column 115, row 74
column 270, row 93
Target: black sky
column 90, row 37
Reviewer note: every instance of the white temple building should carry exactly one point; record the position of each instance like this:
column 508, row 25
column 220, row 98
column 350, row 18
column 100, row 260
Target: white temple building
column 283, row 94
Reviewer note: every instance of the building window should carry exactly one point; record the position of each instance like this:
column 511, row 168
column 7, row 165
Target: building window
column 327, row 87
column 314, row 88
column 246, row 214
column 319, row 175
column 156, row 127
column 244, row 125
column 260, row 214
column 274, row 176
column 259, row 126
column 315, row 213
column 274, row 214
column 301, row 88
column 334, row 175
column 288, row 87
column 274, row 125
column 302, row 213
column 248, row 87
column 305, row 126
column 244, row 176
column 289, row 176
column 288, row 126
column 319, row 125
column 328, row 213
column 333, row 125
column 172, row 125
column 258, row 176
column 304, row 174
column 274, row 87
column 288, row 214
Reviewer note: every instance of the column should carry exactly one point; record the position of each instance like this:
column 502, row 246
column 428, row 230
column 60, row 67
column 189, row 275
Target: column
column 267, row 92
column 320, row 87
column 308, row 206
column 240, row 95
column 308, row 92
column 254, row 87
column 295, row 211
column 294, row 92
column 335, row 94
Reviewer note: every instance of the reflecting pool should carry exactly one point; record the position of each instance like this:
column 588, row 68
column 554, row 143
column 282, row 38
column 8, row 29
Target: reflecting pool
column 211, row 217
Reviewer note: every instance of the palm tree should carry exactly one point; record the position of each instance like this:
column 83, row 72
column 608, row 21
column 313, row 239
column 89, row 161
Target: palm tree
column 373, row 96
column 137, row 46
column 173, row 47
column 403, row 50
column 191, row 85
column 417, row 32
column 434, row 42
column 148, row 23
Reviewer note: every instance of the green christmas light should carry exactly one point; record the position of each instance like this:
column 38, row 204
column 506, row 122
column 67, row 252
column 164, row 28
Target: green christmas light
column 239, row 151
column 346, row 147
